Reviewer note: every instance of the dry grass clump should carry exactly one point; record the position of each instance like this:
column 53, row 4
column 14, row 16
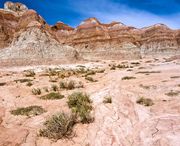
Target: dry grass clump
column 29, row 73
column 54, row 87
column 81, row 106
column 107, row 100
column 173, row 93
column 144, row 86
column 128, row 78
column 145, row 101
column 58, row 126
column 175, row 77
column 29, row 84
column 2, row 84
column 67, row 85
column 90, row 79
column 28, row 111
column 36, row 91
column 148, row 72
column 23, row 80
column 52, row 96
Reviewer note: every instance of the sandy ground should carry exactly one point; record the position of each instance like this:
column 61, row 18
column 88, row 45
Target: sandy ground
column 121, row 123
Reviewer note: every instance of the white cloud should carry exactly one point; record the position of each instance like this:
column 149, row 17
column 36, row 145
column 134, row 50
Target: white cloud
column 107, row 11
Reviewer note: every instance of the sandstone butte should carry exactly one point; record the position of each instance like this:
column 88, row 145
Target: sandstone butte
column 25, row 34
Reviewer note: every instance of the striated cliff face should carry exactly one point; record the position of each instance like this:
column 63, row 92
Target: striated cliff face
column 25, row 34
column 25, row 38
column 118, row 41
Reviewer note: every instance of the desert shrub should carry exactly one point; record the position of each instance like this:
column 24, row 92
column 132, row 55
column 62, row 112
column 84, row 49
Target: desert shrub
column 29, row 84
column 71, row 85
column 173, row 93
column 90, row 72
column 128, row 78
column 121, row 66
column 52, row 79
column 36, row 91
column 52, row 96
column 52, row 72
column 144, row 86
column 54, row 87
column 145, row 101
column 81, row 105
column 29, row 73
column 58, row 126
column 23, row 80
column 46, row 89
column 67, row 85
column 100, row 71
column 113, row 67
column 28, row 111
column 175, row 77
column 107, row 100
column 90, row 79
column 135, row 63
column 148, row 72
column 2, row 84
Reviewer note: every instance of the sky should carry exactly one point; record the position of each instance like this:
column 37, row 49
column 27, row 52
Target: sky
column 137, row 13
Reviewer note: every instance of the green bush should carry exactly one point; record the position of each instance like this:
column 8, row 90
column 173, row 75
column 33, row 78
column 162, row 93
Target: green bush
column 36, row 91
column 28, row 111
column 81, row 105
column 145, row 101
column 52, row 96
column 58, row 126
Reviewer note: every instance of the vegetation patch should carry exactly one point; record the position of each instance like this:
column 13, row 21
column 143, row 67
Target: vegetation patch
column 90, row 79
column 36, row 91
column 107, row 100
column 52, row 96
column 23, row 80
column 28, row 111
column 54, row 87
column 29, row 84
column 29, row 73
column 173, row 93
column 58, row 126
column 128, row 78
column 148, row 72
column 81, row 106
column 144, row 86
column 145, row 101
column 2, row 84
column 67, row 85
column 175, row 77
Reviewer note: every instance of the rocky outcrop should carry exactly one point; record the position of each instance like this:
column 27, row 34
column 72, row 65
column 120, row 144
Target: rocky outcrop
column 94, row 39
column 25, row 38
column 25, row 34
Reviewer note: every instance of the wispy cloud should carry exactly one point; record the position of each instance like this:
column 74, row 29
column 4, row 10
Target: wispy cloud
column 107, row 11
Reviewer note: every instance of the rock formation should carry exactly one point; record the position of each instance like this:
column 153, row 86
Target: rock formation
column 118, row 41
column 26, row 38
column 25, row 34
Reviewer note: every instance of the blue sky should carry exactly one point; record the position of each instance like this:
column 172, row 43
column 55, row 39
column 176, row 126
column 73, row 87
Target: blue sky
column 138, row 13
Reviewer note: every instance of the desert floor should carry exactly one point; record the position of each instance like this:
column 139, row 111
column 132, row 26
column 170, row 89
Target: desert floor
column 123, row 122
